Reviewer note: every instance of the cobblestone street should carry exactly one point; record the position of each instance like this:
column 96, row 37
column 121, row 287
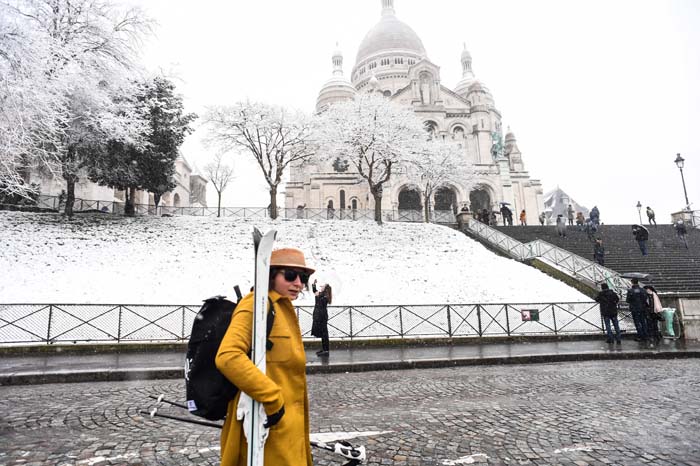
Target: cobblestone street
column 589, row 413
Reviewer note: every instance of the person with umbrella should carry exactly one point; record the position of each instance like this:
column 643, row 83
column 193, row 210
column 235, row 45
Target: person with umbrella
column 641, row 235
column 637, row 299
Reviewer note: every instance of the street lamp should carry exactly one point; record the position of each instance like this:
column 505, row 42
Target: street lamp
column 679, row 163
column 639, row 210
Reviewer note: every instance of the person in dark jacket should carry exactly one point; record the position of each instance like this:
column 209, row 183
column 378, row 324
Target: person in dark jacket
column 637, row 299
column 641, row 234
column 599, row 251
column 608, row 300
column 681, row 231
column 319, row 328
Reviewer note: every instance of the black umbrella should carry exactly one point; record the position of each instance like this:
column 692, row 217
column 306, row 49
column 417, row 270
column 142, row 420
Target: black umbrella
column 640, row 226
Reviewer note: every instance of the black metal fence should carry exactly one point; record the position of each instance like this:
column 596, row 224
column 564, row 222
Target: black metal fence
column 117, row 207
column 73, row 323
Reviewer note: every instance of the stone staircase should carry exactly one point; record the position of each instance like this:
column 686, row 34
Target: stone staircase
column 671, row 266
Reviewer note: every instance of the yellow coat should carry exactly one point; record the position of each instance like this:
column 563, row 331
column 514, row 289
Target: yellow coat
column 285, row 384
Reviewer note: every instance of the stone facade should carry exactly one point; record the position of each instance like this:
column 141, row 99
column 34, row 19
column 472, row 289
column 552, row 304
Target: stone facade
column 391, row 60
column 190, row 189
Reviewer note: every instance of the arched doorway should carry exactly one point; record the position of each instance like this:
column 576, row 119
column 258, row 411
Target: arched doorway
column 480, row 199
column 176, row 200
column 445, row 199
column 409, row 199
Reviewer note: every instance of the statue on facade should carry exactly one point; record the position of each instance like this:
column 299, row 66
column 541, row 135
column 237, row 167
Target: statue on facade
column 497, row 146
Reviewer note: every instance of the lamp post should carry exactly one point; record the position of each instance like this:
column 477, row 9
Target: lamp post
column 639, row 210
column 679, row 163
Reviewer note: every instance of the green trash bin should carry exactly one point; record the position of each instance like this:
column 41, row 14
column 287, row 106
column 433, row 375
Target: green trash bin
column 669, row 313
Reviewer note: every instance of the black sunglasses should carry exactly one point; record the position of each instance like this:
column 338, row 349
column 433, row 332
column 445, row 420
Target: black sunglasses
column 290, row 275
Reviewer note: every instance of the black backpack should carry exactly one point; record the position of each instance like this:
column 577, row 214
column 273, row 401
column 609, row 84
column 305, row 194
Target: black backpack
column 208, row 391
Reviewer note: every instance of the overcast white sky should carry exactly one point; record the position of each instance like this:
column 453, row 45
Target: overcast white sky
column 601, row 94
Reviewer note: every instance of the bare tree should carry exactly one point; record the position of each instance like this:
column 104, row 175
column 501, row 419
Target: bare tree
column 374, row 135
column 89, row 49
column 274, row 137
column 438, row 164
column 219, row 174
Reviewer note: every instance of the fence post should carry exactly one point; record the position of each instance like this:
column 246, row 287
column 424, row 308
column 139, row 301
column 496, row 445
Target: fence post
column 478, row 316
column 48, row 330
column 119, row 326
column 183, row 322
column 507, row 320
column 554, row 318
column 401, row 321
column 350, row 318
column 449, row 322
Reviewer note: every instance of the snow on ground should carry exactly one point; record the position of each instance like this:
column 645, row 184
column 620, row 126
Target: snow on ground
column 182, row 260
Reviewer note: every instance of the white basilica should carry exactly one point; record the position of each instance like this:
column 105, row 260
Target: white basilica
column 392, row 60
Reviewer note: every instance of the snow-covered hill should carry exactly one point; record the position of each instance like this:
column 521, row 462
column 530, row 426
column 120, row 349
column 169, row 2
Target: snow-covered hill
column 182, row 260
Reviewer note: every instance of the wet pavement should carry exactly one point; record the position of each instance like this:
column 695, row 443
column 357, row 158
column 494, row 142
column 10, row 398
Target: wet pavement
column 614, row 412
column 57, row 367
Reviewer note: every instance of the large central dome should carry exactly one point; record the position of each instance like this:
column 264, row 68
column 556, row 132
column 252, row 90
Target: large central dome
column 390, row 34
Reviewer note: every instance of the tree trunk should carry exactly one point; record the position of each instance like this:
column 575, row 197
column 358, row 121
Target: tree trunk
column 70, row 193
column 377, row 195
column 273, row 203
column 218, row 207
column 426, row 207
column 129, row 209
column 156, row 201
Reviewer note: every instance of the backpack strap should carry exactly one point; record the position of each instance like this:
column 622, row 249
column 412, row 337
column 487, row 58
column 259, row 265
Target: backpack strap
column 270, row 323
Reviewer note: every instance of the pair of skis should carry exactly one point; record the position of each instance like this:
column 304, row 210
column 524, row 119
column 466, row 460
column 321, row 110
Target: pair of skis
column 354, row 455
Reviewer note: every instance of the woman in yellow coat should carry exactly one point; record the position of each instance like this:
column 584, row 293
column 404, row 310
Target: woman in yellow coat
column 282, row 391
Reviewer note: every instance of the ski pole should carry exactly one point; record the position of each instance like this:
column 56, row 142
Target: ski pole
column 356, row 455
column 161, row 399
column 154, row 413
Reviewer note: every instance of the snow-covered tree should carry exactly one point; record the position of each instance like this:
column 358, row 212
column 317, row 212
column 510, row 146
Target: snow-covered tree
column 438, row 164
column 87, row 51
column 220, row 175
column 274, row 136
column 150, row 167
column 374, row 135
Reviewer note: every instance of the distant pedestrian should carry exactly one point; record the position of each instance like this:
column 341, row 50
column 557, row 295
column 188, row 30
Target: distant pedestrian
column 681, row 231
column 508, row 216
column 570, row 215
column 608, row 300
column 523, row 218
column 595, row 216
column 590, row 228
column 580, row 220
column 599, row 251
column 542, row 218
column 637, row 299
column 561, row 225
column 494, row 219
column 654, row 313
column 651, row 216
column 641, row 235
column 319, row 328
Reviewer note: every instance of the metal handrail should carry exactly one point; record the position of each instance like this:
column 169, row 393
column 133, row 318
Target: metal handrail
column 119, row 323
column 572, row 264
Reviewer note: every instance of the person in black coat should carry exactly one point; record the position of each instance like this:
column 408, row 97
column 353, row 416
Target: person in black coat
column 608, row 300
column 319, row 328
column 638, row 301
column 641, row 234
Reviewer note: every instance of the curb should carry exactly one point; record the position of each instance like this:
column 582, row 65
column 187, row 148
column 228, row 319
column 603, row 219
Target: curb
column 122, row 375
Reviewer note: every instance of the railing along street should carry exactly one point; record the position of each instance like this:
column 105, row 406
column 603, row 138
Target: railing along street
column 570, row 263
column 103, row 323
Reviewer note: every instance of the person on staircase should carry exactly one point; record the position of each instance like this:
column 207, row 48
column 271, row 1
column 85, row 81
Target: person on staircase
column 570, row 215
column 641, row 235
column 561, row 225
column 681, row 231
column 543, row 218
column 523, row 218
column 651, row 216
column 595, row 216
column 599, row 251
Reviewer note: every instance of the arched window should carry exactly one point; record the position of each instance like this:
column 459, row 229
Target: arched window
column 342, row 198
column 458, row 133
column 431, row 128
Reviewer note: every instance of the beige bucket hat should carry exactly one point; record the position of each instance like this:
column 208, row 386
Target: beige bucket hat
column 289, row 257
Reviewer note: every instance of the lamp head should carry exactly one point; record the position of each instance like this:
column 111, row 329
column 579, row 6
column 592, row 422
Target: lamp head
column 679, row 161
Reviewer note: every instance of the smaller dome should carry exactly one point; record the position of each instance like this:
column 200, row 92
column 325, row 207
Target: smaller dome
column 465, row 54
column 374, row 83
column 477, row 86
column 510, row 137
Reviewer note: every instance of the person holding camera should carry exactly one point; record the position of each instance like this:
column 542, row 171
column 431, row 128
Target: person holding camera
column 320, row 318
